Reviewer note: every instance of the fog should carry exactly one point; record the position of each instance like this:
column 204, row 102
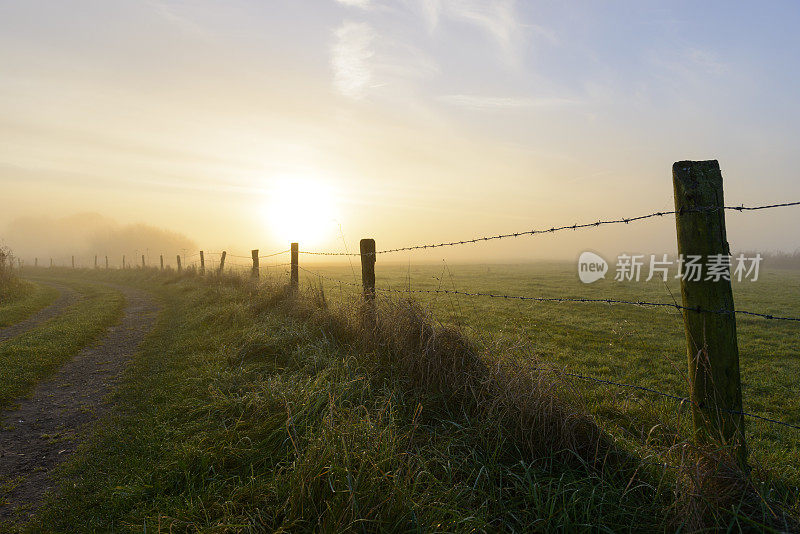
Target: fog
column 85, row 235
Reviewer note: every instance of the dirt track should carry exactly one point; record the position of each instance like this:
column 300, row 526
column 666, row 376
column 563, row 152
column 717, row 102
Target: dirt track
column 64, row 300
column 46, row 428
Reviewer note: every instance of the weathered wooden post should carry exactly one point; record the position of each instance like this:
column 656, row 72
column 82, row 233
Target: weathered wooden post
column 254, row 273
column 368, row 269
column 711, row 344
column 123, row 261
column 161, row 260
column 95, row 261
column 51, row 263
column 106, row 262
column 178, row 259
column 202, row 262
column 73, row 262
column 294, row 279
column 222, row 261
column 143, row 263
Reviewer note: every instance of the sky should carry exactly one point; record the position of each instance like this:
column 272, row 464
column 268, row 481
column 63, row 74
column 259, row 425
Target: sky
column 248, row 124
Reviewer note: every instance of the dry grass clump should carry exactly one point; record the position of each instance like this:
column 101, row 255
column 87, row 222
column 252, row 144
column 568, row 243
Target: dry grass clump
column 712, row 490
column 514, row 400
column 9, row 282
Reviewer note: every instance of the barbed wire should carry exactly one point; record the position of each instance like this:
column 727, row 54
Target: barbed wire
column 608, row 301
column 274, row 254
column 554, row 229
column 594, row 378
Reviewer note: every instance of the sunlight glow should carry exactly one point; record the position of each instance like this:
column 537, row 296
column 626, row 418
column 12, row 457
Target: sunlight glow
column 301, row 209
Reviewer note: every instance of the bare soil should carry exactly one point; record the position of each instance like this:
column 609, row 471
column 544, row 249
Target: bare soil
column 47, row 427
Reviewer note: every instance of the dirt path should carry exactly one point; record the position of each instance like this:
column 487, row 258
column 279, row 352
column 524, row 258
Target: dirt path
column 46, row 428
column 65, row 299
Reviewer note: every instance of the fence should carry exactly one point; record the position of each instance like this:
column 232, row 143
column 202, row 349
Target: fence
column 707, row 307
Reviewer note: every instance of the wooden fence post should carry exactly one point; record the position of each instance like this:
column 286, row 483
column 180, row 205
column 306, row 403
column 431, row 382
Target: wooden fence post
column 143, row 263
column 106, row 262
column 294, row 280
column 178, row 259
column 202, row 263
column 95, row 261
column 254, row 273
column 51, row 263
column 123, row 261
column 161, row 261
column 711, row 344
column 73, row 262
column 368, row 268
column 222, row 261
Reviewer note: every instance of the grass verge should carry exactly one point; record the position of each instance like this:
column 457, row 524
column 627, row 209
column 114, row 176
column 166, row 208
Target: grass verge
column 250, row 409
column 22, row 300
column 34, row 355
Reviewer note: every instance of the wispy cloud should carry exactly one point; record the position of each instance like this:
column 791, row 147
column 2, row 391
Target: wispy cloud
column 498, row 19
column 500, row 102
column 350, row 58
column 356, row 3
column 170, row 13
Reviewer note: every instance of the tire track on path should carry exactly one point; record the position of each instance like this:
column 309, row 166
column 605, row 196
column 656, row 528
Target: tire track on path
column 46, row 428
column 66, row 298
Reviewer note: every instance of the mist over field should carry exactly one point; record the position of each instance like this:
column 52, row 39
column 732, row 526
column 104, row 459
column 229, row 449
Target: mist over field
column 85, row 235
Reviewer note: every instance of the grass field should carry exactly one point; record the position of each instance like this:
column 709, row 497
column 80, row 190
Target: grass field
column 634, row 345
column 22, row 299
column 247, row 410
column 32, row 356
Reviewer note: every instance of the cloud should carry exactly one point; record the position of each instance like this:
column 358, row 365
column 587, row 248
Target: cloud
column 363, row 4
column 500, row 102
column 498, row 19
column 171, row 13
column 350, row 58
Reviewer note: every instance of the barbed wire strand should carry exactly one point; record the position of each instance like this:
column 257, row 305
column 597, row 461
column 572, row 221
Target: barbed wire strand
column 608, row 301
column 275, row 254
column 554, row 229
column 602, row 380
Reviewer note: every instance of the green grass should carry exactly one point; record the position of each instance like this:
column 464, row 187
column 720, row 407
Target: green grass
column 23, row 300
column 36, row 354
column 247, row 411
column 628, row 344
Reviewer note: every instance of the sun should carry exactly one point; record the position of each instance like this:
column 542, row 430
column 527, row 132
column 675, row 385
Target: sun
column 301, row 209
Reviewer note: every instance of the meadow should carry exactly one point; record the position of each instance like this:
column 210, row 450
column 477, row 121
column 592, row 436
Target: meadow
column 641, row 346
column 251, row 408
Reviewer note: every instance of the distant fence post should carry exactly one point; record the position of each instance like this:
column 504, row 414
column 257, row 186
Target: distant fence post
column 161, row 261
column 73, row 262
column 178, row 259
column 295, row 273
column 222, row 261
column 368, row 268
column 711, row 344
column 95, row 261
column 51, row 263
column 143, row 263
column 35, row 262
column 202, row 262
column 106, row 262
column 254, row 273
column 123, row 261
